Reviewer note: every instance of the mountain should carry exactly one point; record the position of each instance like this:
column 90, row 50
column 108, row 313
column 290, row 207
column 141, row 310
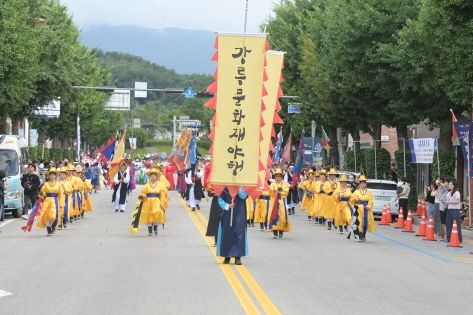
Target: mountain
column 185, row 51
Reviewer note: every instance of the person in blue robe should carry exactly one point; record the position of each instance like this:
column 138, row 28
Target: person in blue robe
column 232, row 238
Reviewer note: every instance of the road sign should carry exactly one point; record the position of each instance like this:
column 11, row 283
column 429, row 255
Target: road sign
column 293, row 108
column 189, row 93
column 136, row 123
column 119, row 100
column 141, row 86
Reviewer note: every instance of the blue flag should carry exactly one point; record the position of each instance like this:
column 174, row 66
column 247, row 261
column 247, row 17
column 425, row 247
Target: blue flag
column 300, row 157
column 193, row 151
column 278, row 148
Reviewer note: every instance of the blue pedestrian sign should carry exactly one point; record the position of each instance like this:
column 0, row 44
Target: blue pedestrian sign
column 189, row 93
column 293, row 108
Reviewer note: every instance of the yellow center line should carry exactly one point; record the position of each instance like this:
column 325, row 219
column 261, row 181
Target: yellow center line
column 262, row 298
column 238, row 289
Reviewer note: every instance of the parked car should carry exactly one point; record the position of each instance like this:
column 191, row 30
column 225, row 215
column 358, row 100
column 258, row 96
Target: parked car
column 384, row 193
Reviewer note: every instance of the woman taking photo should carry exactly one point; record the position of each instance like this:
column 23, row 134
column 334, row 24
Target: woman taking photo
column 430, row 192
column 453, row 210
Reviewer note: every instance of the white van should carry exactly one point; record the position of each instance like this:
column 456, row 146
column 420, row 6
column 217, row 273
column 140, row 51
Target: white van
column 13, row 158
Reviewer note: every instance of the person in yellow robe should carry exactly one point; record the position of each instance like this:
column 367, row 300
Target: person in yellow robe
column 167, row 184
column 341, row 197
column 261, row 210
column 363, row 199
column 51, row 192
column 76, row 185
column 320, row 203
column 88, row 188
column 65, row 200
column 82, row 190
column 308, row 186
column 153, row 194
column 250, row 212
column 278, row 191
column 329, row 188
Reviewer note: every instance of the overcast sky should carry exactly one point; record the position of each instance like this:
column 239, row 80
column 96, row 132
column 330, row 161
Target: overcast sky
column 212, row 15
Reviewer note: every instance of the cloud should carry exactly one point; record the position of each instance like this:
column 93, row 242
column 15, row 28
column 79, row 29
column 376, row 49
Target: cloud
column 213, row 15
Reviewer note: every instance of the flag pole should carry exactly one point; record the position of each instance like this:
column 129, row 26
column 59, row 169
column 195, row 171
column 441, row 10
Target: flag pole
column 438, row 156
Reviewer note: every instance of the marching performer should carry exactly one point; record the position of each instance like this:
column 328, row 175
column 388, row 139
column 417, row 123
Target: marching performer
column 342, row 197
column 76, row 186
column 250, row 212
column 194, row 191
column 153, row 194
column 214, row 216
column 65, row 200
column 308, row 186
column 322, row 186
column 120, row 188
column 329, row 188
column 261, row 210
column 292, row 198
column 232, row 241
column 278, row 190
column 82, row 190
column 363, row 198
column 51, row 192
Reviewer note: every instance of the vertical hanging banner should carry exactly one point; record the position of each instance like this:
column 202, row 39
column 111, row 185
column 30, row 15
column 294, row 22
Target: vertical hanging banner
column 238, row 103
column 463, row 131
column 274, row 66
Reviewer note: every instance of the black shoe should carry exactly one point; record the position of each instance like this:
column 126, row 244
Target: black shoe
column 49, row 229
column 341, row 229
column 226, row 261
column 349, row 235
column 150, row 230
column 198, row 207
column 238, row 261
column 293, row 210
column 329, row 225
column 155, row 227
column 122, row 210
column 193, row 209
column 116, row 210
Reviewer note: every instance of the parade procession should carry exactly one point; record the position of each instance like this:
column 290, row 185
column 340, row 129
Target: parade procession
column 236, row 157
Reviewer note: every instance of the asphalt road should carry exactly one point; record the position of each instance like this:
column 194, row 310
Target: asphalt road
column 97, row 267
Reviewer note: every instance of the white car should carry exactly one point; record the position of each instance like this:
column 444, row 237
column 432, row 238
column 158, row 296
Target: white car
column 384, row 192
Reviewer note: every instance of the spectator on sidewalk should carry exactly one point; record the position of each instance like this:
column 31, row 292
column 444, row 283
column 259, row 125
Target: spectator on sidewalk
column 30, row 183
column 453, row 210
column 403, row 196
column 430, row 192
column 440, row 216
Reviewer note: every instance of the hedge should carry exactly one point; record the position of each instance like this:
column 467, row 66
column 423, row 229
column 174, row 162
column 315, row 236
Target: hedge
column 36, row 154
column 365, row 159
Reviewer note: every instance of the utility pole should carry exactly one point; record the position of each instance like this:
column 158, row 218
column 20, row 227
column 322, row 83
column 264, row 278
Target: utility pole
column 78, row 134
column 246, row 16
column 174, row 131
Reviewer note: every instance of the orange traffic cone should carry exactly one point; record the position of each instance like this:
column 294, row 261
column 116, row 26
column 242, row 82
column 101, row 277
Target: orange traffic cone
column 400, row 220
column 454, row 241
column 384, row 217
column 423, row 209
column 430, row 231
column 408, row 227
column 422, row 227
column 418, row 208
column 389, row 215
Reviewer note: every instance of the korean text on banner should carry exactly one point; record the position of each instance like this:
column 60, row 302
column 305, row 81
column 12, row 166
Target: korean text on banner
column 422, row 150
column 238, row 109
column 274, row 65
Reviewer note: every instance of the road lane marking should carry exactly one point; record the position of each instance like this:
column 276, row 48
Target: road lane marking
column 5, row 293
column 240, row 292
column 420, row 251
column 7, row 222
column 259, row 294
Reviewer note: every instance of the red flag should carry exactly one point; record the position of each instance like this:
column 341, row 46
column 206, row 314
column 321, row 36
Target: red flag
column 455, row 139
column 286, row 155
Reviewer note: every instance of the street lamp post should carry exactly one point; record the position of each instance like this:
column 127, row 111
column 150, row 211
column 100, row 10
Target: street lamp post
column 246, row 16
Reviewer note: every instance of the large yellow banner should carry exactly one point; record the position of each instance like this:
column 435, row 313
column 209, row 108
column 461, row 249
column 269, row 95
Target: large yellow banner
column 274, row 65
column 236, row 140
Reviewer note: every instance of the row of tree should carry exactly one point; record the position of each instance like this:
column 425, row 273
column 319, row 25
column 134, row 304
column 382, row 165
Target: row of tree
column 41, row 59
column 362, row 64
